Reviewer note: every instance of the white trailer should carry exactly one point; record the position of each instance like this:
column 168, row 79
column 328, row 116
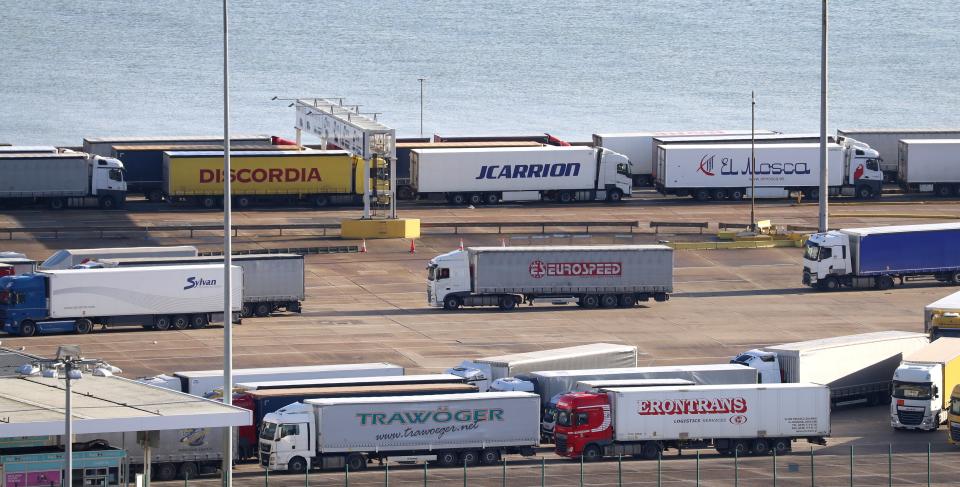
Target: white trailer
column 70, row 179
column 28, row 149
column 885, row 142
column 638, row 147
column 175, row 454
column 271, row 281
column 205, row 382
column 857, row 368
column 930, row 166
column 734, row 419
column 483, row 371
column 103, row 146
column 596, row 276
column 493, row 174
column 723, row 171
column 603, row 385
column 450, row 430
column 68, row 258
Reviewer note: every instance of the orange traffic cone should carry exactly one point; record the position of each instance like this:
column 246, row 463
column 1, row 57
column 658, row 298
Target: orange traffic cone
column 461, row 244
column 413, row 246
column 363, row 246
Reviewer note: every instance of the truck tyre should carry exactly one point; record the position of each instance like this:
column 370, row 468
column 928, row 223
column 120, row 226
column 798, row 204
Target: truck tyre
column 198, row 321
column 565, row 197
column 208, row 202
column 739, row 448
column 736, row 194
column 293, row 307
column 614, row 196
column 57, row 203
column 243, row 202
column 780, row 446
column 321, row 200
column 591, row 453
column 884, row 283
column 155, row 196
column 107, row 202
column 469, row 458
column 246, row 310
column 955, row 277
column 609, row 301
column 628, row 301
column 297, row 465
column 458, row 199
column 451, row 303
column 760, row 447
column 651, row 450
column 188, row 471
column 166, row 472
column 262, row 310
column 447, row 459
column 82, row 326
column 830, row 284
column 943, row 190
column 180, row 322
column 507, row 303
column 864, row 192
column 812, row 194
column 356, row 462
column 490, row 456
column 476, row 199
column 405, row 193
column 590, row 301
column 491, row 199
column 28, row 328
column 161, row 323
column 719, row 194
column 701, row 194
column 661, row 297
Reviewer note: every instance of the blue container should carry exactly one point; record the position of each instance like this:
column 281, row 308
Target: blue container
column 921, row 251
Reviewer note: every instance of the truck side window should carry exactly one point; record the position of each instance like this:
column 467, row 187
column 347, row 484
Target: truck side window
column 873, row 165
column 443, row 274
column 115, row 175
column 582, row 418
column 826, row 253
column 289, row 430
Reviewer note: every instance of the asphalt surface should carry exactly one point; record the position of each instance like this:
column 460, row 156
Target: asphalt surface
column 371, row 307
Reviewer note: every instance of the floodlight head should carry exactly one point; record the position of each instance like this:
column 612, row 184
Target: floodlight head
column 74, row 374
column 28, row 369
column 50, row 373
column 102, row 372
column 67, row 352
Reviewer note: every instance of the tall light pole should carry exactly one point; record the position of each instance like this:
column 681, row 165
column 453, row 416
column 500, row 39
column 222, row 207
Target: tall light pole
column 69, row 365
column 753, row 163
column 421, row 104
column 227, row 262
column 824, row 190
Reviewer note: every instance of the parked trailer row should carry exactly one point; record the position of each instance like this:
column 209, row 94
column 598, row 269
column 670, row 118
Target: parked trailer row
column 886, row 143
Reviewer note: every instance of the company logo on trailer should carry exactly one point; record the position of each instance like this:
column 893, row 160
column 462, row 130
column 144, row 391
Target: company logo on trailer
column 540, row 269
column 520, row 171
column 738, row 419
column 675, row 407
column 727, row 168
column 193, row 282
column 263, row 175
column 706, row 165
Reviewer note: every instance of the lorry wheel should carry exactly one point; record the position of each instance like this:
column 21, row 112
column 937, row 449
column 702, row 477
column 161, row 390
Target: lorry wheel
column 565, row 197
column 189, row 471
column 955, row 278
column 739, row 448
column 490, row 456
column 661, row 297
column 943, row 190
column 476, row 199
column 198, row 321
column 614, row 196
column 590, row 301
column 405, row 193
column 451, row 303
column 491, row 199
column 166, row 472
column 27, row 328
column 780, row 446
column 628, row 301
column 760, row 447
column 107, row 202
column 356, row 462
column 155, row 196
column 609, row 301
column 591, row 453
column 320, row 201
column 469, row 458
column 884, row 283
column 830, row 284
column 719, row 194
column 447, row 459
column 208, row 202
column 246, row 310
column 736, row 194
column 458, row 199
column 812, row 194
column 293, row 307
column 651, row 450
column 57, row 203
column 297, row 465
column 180, row 322
column 507, row 303
column 161, row 323
column 83, row 326
column 701, row 195
column 263, row 310
column 864, row 192
column 243, row 202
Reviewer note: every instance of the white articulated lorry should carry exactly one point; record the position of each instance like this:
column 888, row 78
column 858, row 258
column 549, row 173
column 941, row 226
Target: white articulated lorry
column 605, row 276
column 483, row 371
column 922, row 385
column 885, row 142
column 637, row 147
column 449, row 429
column 69, row 179
column 75, row 300
column 857, row 368
column 734, row 419
column 551, row 384
column 495, row 174
column 723, row 171
column 925, row 166
column 69, row 258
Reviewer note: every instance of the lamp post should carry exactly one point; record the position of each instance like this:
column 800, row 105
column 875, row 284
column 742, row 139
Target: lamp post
column 421, row 80
column 227, row 262
column 69, row 365
column 823, row 207
column 753, row 164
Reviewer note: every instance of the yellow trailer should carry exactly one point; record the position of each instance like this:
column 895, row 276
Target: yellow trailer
column 942, row 317
column 319, row 178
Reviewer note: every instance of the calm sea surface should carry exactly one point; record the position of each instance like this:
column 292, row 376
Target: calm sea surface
column 74, row 69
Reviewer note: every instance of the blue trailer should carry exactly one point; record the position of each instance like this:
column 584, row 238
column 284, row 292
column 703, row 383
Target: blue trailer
column 880, row 257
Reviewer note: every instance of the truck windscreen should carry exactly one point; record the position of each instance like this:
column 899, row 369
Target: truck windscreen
column 812, row 251
column 911, row 390
column 268, row 431
column 955, row 405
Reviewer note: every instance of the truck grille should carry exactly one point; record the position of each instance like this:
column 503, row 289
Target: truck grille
column 560, row 443
column 912, row 418
column 955, row 432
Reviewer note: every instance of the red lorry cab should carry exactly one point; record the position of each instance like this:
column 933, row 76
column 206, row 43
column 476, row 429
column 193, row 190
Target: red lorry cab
column 582, row 418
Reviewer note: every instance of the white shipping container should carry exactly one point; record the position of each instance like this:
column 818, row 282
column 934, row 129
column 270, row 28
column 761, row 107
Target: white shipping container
column 140, row 291
column 103, row 146
column 503, row 169
column 203, row 382
column 708, row 412
column 886, row 141
column 383, row 424
column 929, row 161
column 728, row 166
